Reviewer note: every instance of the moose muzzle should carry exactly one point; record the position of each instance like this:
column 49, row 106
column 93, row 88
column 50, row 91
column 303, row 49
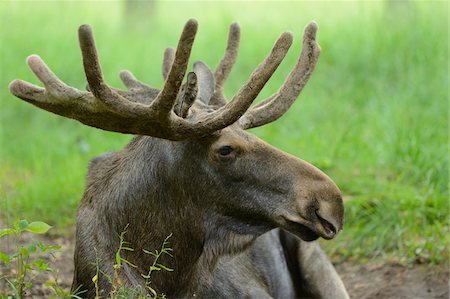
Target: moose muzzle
column 317, row 208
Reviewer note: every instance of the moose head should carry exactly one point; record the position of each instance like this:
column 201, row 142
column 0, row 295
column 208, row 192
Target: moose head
column 193, row 170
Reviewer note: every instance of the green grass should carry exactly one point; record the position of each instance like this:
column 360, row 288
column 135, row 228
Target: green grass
column 374, row 115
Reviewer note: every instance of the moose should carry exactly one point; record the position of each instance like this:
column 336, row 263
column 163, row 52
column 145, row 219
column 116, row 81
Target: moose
column 243, row 214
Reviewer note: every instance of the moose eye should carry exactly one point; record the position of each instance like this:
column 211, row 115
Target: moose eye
column 225, row 150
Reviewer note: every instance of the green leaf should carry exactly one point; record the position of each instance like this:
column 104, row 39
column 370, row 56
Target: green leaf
column 24, row 251
column 5, row 258
column 149, row 252
column 6, row 231
column 40, row 245
column 164, row 267
column 60, row 292
column 151, row 290
column 95, row 278
column 129, row 263
column 38, row 262
column 22, row 225
column 50, row 247
column 41, row 265
column 38, row 227
column 167, row 251
column 49, row 284
column 31, row 248
column 118, row 258
column 154, row 268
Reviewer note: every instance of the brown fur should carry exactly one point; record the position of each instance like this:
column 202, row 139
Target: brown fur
column 215, row 207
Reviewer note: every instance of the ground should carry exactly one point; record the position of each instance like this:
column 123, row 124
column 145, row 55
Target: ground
column 393, row 280
column 374, row 279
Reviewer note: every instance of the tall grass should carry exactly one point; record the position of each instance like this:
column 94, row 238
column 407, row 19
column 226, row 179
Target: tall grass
column 374, row 115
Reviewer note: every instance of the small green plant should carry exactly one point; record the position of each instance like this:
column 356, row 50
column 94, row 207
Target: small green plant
column 24, row 263
column 157, row 266
column 116, row 283
column 118, row 290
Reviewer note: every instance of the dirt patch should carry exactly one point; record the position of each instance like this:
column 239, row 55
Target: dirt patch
column 393, row 280
column 61, row 261
column 379, row 280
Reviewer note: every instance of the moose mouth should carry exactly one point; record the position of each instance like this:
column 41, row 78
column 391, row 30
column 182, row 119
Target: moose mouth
column 300, row 230
column 309, row 230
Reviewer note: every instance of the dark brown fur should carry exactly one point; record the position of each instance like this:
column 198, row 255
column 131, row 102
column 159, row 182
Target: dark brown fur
column 215, row 208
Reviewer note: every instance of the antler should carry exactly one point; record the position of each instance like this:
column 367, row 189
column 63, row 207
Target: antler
column 226, row 64
column 148, row 111
column 276, row 105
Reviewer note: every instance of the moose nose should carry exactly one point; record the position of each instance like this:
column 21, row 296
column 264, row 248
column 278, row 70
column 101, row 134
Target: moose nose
column 330, row 216
column 330, row 228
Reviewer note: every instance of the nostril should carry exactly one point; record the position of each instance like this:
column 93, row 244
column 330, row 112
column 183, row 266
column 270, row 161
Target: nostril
column 329, row 227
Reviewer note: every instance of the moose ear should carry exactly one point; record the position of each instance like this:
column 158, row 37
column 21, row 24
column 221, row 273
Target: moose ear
column 206, row 82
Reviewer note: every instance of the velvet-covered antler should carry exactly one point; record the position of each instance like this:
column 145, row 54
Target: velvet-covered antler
column 144, row 110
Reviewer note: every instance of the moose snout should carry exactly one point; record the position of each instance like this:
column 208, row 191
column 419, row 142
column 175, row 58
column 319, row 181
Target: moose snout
column 322, row 206
column 328, row 216
column 317, row 211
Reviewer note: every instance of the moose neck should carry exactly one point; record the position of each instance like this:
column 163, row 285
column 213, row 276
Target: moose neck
column 154, row 203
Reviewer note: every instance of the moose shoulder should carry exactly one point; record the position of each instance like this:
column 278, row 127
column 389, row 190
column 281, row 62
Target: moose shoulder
column 242, row 213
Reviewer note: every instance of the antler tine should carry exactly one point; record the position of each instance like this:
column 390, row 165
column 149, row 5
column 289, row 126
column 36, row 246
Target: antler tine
column 130, row 81
column 54, row 87
column 276, row 105
column 163, row 104
column 28, row 92
column 61, row 99
column 232, row 111
column 94, row 76
column 169, row 56
column 51, row 82
column 226, row 64
column 137, row 91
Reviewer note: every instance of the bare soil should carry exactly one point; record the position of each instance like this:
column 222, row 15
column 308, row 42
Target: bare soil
column 389, row 280
column 381, row 280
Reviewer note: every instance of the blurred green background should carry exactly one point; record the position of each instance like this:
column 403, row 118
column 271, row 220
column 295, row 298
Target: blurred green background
column 374, row 115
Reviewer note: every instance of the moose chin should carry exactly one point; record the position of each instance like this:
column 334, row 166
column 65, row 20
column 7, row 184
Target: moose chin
column 242, row 213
